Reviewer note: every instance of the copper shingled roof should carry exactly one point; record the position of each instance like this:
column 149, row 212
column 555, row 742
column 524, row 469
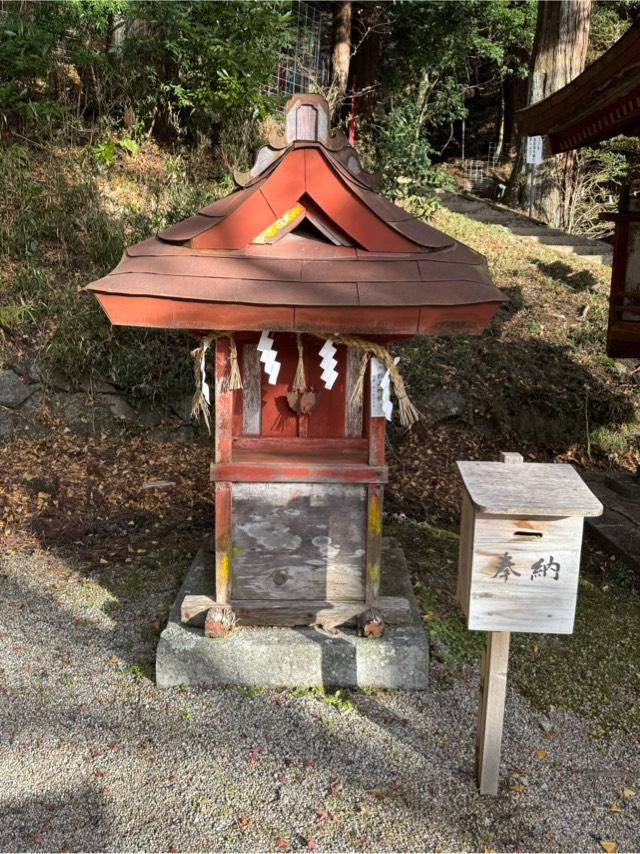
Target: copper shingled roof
column 305, row 235
column 598, row 104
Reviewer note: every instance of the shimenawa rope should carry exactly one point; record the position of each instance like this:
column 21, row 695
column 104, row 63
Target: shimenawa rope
column 231, row 381
column 409, row 415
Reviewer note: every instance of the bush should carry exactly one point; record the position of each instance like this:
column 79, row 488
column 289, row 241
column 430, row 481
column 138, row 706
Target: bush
column 59, row 230
column 176, row 68
column 404, row 158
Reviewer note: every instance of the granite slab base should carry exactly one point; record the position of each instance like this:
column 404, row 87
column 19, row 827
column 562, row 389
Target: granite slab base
column 295, row 657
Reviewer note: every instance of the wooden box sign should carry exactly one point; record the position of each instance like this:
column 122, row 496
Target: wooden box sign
column 520, row 542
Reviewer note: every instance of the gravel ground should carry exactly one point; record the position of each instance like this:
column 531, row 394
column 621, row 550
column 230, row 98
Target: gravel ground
column 94, row 757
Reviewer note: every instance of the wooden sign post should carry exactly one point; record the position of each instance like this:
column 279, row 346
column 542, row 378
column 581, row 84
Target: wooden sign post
column 520, row 541
column 493, row 693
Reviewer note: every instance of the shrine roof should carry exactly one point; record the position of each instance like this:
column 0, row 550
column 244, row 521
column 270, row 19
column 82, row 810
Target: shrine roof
column 600, row 103
column 306, row 229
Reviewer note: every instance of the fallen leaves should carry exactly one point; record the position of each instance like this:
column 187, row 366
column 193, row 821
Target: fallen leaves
column 541, row 753
column 609, row 846
column 93, row 486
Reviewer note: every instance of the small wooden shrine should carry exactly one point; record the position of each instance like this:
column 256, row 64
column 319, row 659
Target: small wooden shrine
column 601, row 103
column 299, row 280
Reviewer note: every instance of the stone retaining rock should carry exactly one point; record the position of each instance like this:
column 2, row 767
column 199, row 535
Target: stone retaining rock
column 13, row 391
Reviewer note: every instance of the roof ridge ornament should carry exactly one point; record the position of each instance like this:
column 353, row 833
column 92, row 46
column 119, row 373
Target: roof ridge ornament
column 307, row 121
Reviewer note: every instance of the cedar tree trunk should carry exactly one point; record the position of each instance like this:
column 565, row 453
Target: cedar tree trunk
column 341, row 54
column 559, row 51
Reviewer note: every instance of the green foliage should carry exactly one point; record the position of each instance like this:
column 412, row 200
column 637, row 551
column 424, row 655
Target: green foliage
column 339, row 699
column 57, row 234
column 599, row 176
column 181, row 67
column 610, row 19
column 436, row 49
column 437, row 55
column 195, row 66
column 106, row 151
column 404, row 157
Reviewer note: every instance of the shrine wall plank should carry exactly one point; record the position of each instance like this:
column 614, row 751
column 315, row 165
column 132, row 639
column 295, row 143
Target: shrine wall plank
column 298, row 541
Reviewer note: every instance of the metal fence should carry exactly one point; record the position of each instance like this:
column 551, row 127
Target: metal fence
column 479, row 173
column 305, row 65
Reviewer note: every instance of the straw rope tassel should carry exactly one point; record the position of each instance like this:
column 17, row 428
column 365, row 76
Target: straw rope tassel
column 358, row 389
column 199, row 404
column 300, row 380
column 409, row 415
column 231, row 381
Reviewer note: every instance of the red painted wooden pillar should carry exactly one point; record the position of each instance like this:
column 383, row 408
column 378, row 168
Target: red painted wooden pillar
column 223, row 446
column 375, row 493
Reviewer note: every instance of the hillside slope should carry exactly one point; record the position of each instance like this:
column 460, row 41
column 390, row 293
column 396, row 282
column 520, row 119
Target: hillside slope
column 537, row 381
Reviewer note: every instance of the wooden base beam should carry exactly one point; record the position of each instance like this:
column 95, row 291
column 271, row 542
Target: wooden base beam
column 285, row 612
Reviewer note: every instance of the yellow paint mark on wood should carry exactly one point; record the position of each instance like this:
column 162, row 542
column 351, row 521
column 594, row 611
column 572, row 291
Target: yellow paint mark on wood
column 277, row 226
column 223, row 560
column 375, row 515
column 373, row 573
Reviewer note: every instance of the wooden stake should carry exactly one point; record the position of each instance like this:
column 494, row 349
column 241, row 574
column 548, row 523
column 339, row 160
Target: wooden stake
column 493, row 687
column 493, row 690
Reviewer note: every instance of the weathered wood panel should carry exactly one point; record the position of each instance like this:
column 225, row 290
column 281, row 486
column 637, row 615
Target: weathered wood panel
column 298, row 541
column 295, row 444
column 493, row 688
column 353, row 411
column 377, row 429
column 251, row 394
column 283, row 612
column 524, row 573
column 465, row 555
column 533, row 489
column 223, row 404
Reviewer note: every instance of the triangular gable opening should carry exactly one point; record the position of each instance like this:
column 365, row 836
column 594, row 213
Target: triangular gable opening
column 309, row 231
column 305, row 220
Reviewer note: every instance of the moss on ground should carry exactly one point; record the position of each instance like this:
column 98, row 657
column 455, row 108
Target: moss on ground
column 595, row 672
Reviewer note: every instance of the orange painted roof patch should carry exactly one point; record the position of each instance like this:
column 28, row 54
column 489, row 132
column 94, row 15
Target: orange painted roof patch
column 306, row 231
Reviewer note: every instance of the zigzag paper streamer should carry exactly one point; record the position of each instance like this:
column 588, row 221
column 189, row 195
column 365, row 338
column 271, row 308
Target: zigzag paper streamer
column 328, row 364
column 268, row 356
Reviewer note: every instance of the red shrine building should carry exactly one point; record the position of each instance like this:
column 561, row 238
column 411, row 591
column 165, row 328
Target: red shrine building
column 299, row 279
column 601, row 103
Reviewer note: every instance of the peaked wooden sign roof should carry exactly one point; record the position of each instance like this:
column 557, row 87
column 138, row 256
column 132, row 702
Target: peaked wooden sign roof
column 306, row 245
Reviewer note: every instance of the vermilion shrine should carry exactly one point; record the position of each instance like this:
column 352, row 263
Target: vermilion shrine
column 599, row 104
column 299, row 280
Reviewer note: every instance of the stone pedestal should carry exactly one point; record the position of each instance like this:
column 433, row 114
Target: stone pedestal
column 295, row 657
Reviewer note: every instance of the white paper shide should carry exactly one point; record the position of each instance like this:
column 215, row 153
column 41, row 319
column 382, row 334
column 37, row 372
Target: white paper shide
column 269, row 357
column 328, row 364
column 381, row 404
